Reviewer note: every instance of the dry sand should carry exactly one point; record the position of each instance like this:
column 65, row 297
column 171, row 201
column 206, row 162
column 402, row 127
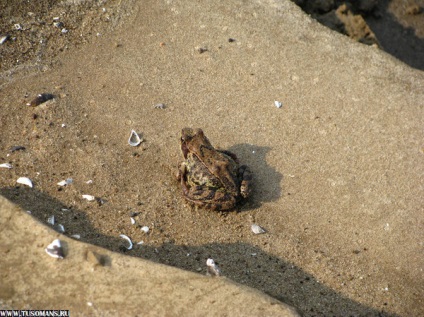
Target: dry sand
column 338, row 170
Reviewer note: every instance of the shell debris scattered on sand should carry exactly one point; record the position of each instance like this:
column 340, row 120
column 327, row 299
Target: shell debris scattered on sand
column 50, row 220
column 130, row 244
column 3, row 38
column 5, row 165
column 213, row 269
column 160, row 106
column 145, row 229
column 41, row 98
column 278, row 104
column 256, row 229
column 76, row 236
column 88, row 197
column 134, row 139
column 60, row 228
column 132, row 220
column 65, row 182
column 17, row 148
column 24, row 181
column 55, row 249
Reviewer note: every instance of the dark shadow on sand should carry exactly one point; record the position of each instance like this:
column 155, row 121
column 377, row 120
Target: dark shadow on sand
column 240, row 262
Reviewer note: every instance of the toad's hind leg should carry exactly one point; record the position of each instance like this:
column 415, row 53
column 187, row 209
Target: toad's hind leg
column 245, row 177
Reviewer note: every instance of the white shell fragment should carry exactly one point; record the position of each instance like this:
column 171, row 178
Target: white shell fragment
column 140, row 242
column 134, row 139
column 24, row 181
column 132, row 220
column 257, row 229
column 76, row 236
column 88, row 197
column 55, row 250
column 65, row 182
column 145, row 229
column 4, row 38
column 50, row 220
column 160, row 106
column 6, row 165
column 60, row 228
column 278, row 104
column 130, row 244
column 213, row 269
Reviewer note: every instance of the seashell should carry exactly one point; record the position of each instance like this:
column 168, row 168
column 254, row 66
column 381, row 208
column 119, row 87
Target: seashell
column 123, row 236
column 29, row 211
column 50, row 220
column 134, row 139
column 160, row 106
column 17, row 148
column 4, row 38
column 41, row 98
column 55, row 249
column 24, row 181
column 60, row 228
column 89, row 181
column 140, row 243
column 88, row 197
column 132, row 220
column 76, row 236
column 65, row 182
column 6, row 165
column 213, row 269
column 257, row 229
column 145, row 229
column 278, row 104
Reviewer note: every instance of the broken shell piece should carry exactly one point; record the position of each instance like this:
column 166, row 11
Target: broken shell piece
column 213, row 269
column 41, row 98
column 24, row 181
column 278, row 104
column 88, row 197
column 160, row 106
column 90, row 181
column 50, row 220
column 140, row 243
column 134, row 139
column 145, row 229
column 76, row 236
column 55, row 249
column 65, row 182
column 60, row 228
column 130, row 244
column 257, row 229
column 6, row 165
column 17, row 148
column 4, row 38
column 132, row 220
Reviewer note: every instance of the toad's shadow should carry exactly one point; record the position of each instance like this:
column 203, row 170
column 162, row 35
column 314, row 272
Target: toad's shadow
column 240, row 262
column 266, row 183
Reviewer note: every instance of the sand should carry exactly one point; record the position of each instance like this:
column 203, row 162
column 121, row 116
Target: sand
column 338, row 169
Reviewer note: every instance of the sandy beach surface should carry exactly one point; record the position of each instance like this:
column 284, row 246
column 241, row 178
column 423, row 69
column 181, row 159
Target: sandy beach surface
column 338, row 169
